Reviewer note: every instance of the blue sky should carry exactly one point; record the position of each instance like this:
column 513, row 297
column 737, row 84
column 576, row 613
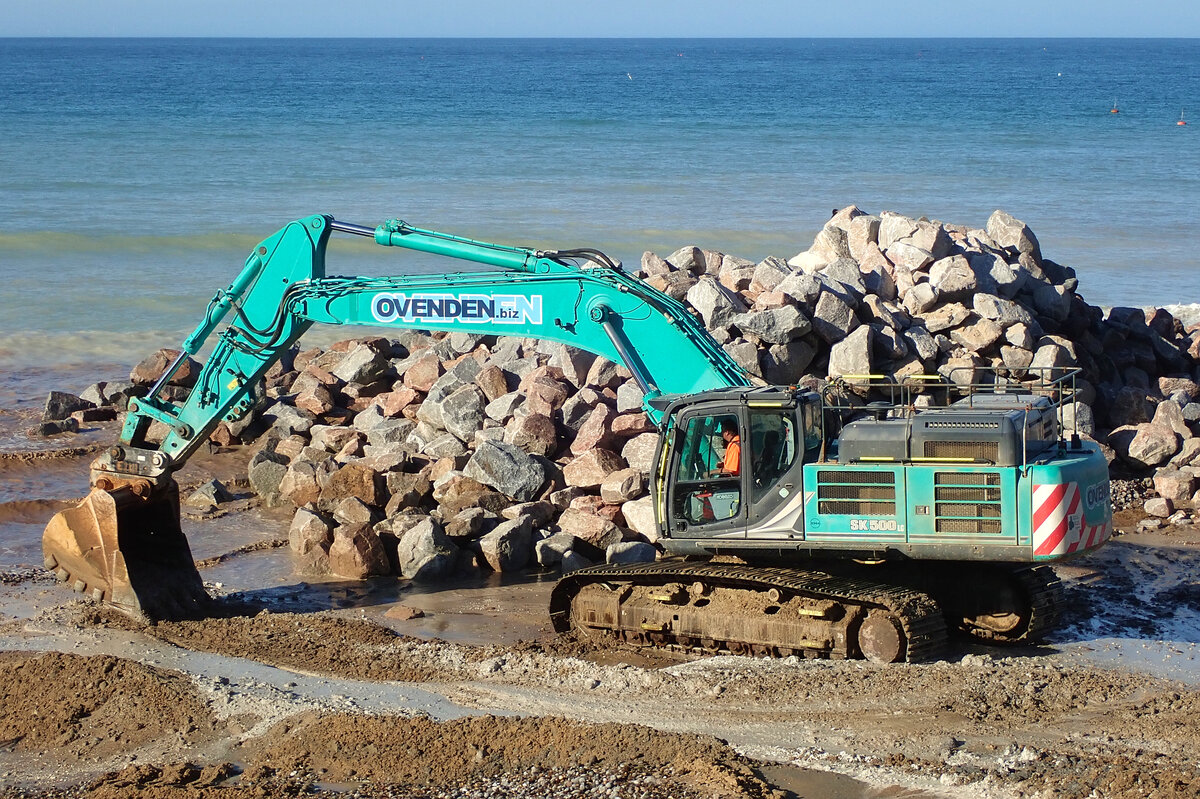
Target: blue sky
column 570, row 18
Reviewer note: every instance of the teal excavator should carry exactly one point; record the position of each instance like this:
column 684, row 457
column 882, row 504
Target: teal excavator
column 846, row 530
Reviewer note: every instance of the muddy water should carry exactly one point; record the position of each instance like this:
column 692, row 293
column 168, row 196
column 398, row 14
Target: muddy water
column 803, row 783
column 478, row 609
column 1135, row 605
column 38, row 476
column 30, row 493
column 481, row 610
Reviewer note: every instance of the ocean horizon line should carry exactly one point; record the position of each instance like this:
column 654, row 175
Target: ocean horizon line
column 550, row 37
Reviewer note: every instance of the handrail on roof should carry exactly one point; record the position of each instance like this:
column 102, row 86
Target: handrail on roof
column 1055, row 382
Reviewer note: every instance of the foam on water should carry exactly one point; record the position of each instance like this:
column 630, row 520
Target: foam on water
column 1188, row 314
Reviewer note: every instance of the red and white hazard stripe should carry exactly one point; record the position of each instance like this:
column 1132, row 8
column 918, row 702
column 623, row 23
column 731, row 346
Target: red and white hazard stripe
column 1058, row 522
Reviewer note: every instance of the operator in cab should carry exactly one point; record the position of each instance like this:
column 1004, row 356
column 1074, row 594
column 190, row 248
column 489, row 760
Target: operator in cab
column 731, row 464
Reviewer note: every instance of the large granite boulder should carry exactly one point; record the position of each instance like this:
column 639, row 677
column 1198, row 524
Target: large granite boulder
column 508, row 469
column 356, row 552
column 508, row 547
column 425, row 552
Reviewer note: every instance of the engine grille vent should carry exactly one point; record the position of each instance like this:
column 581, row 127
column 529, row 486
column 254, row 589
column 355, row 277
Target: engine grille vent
column 869, row 476
column 967, row 504
column 962, row 425
column 976, row 450
column 856, row 493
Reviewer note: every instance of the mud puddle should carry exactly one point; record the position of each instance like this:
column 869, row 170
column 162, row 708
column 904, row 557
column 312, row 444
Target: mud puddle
column 802, row 783
column 480, row 610
column 1135, row 605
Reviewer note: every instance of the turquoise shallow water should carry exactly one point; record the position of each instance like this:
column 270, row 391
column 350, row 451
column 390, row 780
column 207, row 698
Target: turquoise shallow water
column 136, row 174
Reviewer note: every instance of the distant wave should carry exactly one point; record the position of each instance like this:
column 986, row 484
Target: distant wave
column 24, row 350
column 81, row 348
column 70, row 242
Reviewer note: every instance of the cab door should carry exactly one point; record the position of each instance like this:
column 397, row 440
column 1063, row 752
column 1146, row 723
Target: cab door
column 707, row 481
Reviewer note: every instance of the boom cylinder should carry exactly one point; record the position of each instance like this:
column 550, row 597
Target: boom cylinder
column 220, row 306
column 397, row 233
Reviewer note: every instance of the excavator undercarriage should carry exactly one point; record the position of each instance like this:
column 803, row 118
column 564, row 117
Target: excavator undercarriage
column 726, row 607
column 774, row 612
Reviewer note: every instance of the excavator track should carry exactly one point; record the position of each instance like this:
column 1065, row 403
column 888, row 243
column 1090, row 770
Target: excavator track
column 742, row 609
column 991, row 603
column 1026, row 605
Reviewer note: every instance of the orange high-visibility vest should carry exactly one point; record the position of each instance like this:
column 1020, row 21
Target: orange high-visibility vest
column 733, row 457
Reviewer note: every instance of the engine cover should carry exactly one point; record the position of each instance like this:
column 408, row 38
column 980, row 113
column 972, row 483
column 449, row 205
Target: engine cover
column 999, row 429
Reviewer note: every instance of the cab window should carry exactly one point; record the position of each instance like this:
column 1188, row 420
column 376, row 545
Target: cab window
column 773, row 447
column 812, row 424
column 708, row 464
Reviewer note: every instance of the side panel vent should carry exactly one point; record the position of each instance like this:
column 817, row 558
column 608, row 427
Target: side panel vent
column 856, row 493
column 968, row 504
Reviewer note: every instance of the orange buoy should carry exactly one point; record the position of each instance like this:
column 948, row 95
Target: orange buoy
column 1181, row 120
column 1114, row 109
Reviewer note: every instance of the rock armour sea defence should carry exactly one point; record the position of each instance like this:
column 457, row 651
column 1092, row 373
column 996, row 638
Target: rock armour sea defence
column 425, row 454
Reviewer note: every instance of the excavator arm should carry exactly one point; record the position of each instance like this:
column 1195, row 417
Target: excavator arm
column 123, row 543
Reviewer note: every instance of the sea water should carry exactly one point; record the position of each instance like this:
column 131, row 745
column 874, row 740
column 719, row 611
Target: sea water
column 136, row 174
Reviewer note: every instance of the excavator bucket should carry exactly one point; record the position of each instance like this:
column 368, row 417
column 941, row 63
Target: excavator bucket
column 128, row 550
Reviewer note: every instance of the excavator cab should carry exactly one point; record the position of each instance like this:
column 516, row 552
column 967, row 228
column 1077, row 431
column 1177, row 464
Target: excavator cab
column 711, row 494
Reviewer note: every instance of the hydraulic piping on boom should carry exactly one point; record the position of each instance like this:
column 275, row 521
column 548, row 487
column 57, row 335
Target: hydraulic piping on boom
column 834, row 534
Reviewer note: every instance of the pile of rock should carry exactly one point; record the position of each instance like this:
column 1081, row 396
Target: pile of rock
column 420, row 454
column 898, row 296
